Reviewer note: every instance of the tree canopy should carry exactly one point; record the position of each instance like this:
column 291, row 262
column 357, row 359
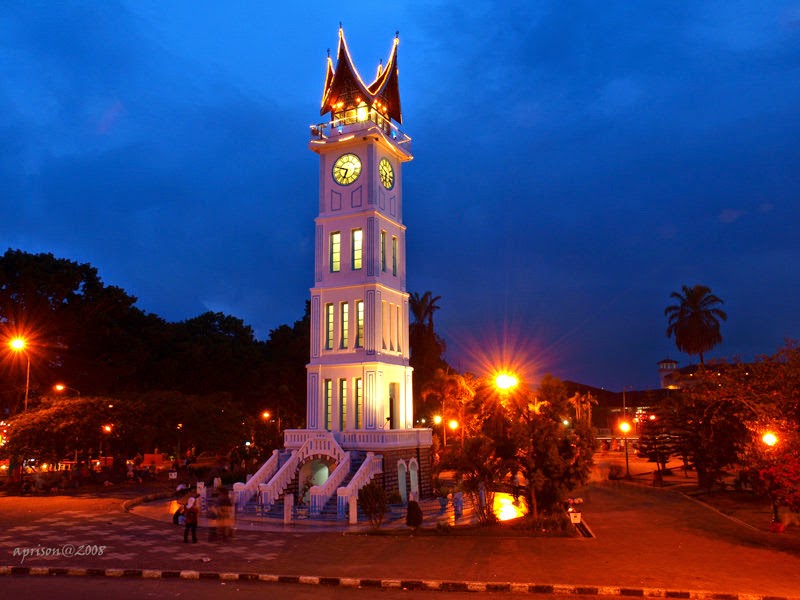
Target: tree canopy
column 91, row 338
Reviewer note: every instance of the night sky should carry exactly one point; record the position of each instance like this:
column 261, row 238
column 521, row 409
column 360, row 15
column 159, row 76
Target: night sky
column 575, row 163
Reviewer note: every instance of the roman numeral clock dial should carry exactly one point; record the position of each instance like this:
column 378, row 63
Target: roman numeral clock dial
column 386, row 173
column 346, row 169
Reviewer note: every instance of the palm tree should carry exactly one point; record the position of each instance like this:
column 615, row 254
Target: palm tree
column 694, row 321
column 423, row 307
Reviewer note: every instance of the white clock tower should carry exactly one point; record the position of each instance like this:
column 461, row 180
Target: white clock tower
column 359, row 377
column 359, row 404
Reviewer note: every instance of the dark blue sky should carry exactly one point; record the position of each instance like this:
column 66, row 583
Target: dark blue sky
column 575, row 163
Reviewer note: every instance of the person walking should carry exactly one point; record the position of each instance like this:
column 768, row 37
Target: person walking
column 192, row 515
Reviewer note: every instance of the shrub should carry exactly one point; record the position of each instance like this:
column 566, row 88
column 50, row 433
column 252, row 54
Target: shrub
column 372, row 499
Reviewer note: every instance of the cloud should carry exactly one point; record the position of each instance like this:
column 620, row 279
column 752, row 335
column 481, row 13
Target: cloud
column 729, row 215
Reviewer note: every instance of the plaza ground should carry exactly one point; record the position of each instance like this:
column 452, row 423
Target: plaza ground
column 665, row 540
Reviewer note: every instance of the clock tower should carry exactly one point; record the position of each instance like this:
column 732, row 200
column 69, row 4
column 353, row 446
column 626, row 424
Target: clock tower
column 359, row 376
column 359, row 404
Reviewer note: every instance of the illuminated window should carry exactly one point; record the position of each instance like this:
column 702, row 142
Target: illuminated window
column 329, row 326
column 384, row 324
column 399, row 337
column 359, row 323
column 342, row 404
column 394, row 256
column 357, row 238
column 328, row 395
column 383, row 251
column 344, row 323
column 359, row 392
column 336, row 252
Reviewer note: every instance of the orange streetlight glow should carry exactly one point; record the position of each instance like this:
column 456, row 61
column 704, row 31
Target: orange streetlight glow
column 625, row 427
column 505, row 381
column 437, row 419
column 265, row 415
column 18, row 345
column 453, row 424
column 770, row 439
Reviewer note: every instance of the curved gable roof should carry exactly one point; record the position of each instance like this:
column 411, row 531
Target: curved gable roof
column 344, row 88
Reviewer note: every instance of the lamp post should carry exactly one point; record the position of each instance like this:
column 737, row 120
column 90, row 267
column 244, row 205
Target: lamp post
column 18, row 345
column 437, row 420
column 625, row 428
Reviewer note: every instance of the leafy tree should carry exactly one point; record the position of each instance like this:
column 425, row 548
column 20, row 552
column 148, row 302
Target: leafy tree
column 77, row 328
column 657, row 443
column 694, row 321
column 714, row 412
column 773, row 471
column 553, row 448
column 287, row 353
column 542, row 435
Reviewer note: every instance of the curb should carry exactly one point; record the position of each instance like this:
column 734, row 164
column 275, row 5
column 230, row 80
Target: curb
column 132, row 503
column 400, row 584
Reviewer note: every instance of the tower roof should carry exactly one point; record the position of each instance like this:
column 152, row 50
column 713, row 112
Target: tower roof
column 345, row 90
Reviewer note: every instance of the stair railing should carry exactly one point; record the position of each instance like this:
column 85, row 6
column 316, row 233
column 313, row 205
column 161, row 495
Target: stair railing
column 372, row 465
column 245, row 492
column 320, row 494
column 320, row 444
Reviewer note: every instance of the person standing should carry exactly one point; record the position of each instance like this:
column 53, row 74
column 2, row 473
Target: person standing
column 192, row 515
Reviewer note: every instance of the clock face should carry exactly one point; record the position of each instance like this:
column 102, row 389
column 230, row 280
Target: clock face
column 387, row 173
column 346, row 169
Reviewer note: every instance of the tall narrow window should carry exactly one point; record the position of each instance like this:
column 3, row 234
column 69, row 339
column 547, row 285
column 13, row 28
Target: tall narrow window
column 389, row 326
column 342, row 404
column 336, row 252
column 344, row 324
column 384, row 325
column 329, row 326
column 359, row 401
column 399, row 346
column 383, row 251
column 394, row 256
column 359, row 323
column 328, row 394
column 356, row 239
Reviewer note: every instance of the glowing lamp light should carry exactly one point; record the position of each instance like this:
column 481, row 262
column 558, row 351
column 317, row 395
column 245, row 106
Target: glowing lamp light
column 265, row 415
column 17, row 344
column 453, row 424
column 361, row 113
column 107, row 428
column 770, row 439
column 625, row 427
column 437, row 419
column 505, row 381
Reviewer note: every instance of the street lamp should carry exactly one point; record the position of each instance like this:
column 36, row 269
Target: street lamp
column 505, row 381
column 625, row 428
column 18, row 345
column 60, row 388
column 770, row 439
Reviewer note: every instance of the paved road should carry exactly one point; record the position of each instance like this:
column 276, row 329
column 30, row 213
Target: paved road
column 645, row 538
